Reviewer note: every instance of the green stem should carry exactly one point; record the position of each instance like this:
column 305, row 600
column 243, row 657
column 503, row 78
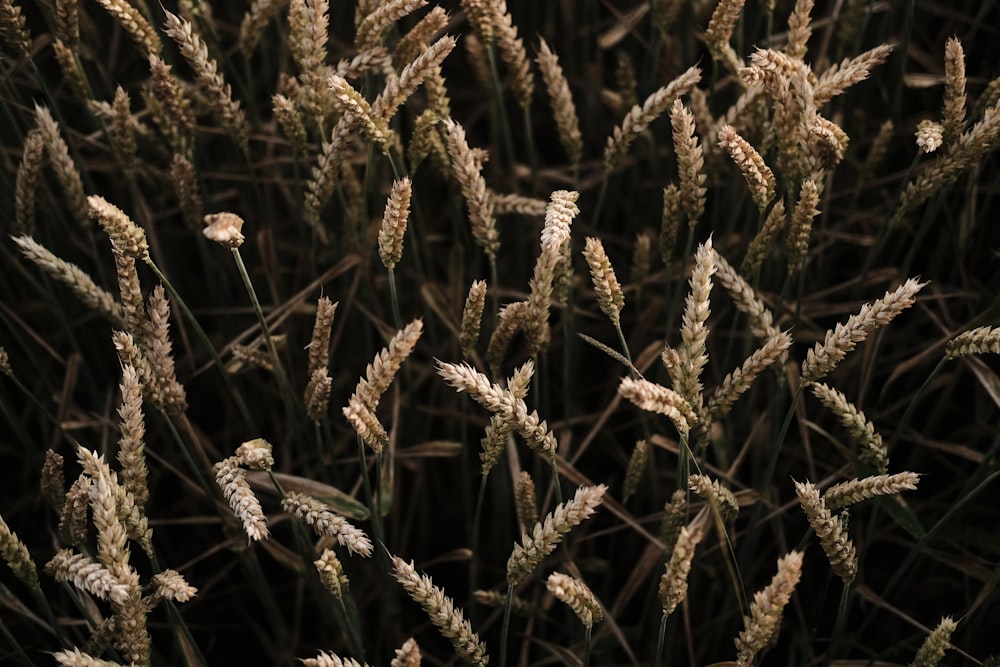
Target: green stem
column 394, row 298
column 586, row 645
column 838, row 625
column 508, row 139
column 660, row 640
column 279, row 368
column 505, row 628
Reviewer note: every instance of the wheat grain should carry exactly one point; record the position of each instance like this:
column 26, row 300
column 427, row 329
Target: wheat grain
column 156, row 341
column 127, row 238
column 674, row 582
column 547, row 534
column 206, row 70
column 401, row 88
column 131, row 446
column 761, row 626
column 690, row 162
column 76, row 658
column 86, row 575
column 561, row 100
column 324, row 659
column 256, row 454
column 930, row 136
column 855, row 491
column 974, row 341
column 359, row 112
column 374, row 25
column 171, row 109
column 759, row 177
column 763, row 242
column 635, row 469
column 674, row 518
column 442, row 612
column 390, row 235
column 720, row 27
column 831, row 532
column 366, row 424
column 736, row 383
column 825, row 356
column 331, row 574
column 512, row 52
column 799, row 29
column 407, row 655
column 838, row 78
column 692, row 355
column 577, row 596
column 800, row 229
column 237, row 492
column 933, row 648
column 52, row 479
column 670, row 222
column 380, row 373
column 419, row 36
column 718, row 495
column 137, row 27
column 73, row 515
column 321, row 518
column 468, row 173
column 608, row 291
column 953, row 116
column 73, row 277
column 27, row 182
column 656, row 398
column 861, row 430
column 62, row 164
column 254, row 21
column 16, row 555
column 640, row 117
column 472, row 316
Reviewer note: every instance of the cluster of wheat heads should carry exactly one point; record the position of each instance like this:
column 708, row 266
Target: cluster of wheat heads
column 359, row 332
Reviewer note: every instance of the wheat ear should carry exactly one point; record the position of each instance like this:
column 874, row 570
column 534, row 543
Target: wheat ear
column 331, row 574
column 975, row 341
column 547, row 534
column 407, row 655
column 831, row 532
column 390, row 235
column 761, row 626
column 855, row 491
column 825, row 356
column 467, row 170
column 237, row 492
column 472, row 316
column 635, row 469
column 77, row 658
column 933, row 648
column 561, row 100
column 861, row 430
column 577, row 596
column 674, row 582
column 442, row 611
column 16, row 555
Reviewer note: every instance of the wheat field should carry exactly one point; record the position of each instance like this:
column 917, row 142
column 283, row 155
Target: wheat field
column 651, row 332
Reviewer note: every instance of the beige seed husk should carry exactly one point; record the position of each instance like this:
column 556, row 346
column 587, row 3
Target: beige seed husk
column 674, row 582
column 825, row 356
column 127, row 238
column 256, row 454
column 953, row 116
column 73, row 277
column 27, row 182
column 53, row 477
column 137, row 27
column 974, row 341
column 76, row 658
column 635, row 469
column 366, row 424
column 220, row 95
column 831, row 532
column 324, row 659
column 512, row 52
column 442, row 612
column 503, row 402
column 577, row 596
column 322, row 519
column 73, row 515
column 692, row 354
column 331, row 574
column 736, row 383
column 16, row 555
column 761, row 626
column 424, row 69
column 929, row 135
column 547, row 534
column 308, row 25
column 254, row 21
column 861, row 430
column 608, row 291
column 525, row 501
column 390, row 235
column 237, row 492
column 855, row 491
column 716, row 494
column 380, row 373
column 674, row 518
column 690, row 162
column 86, row 575
column 13, row 28
column 670, row 222
column 561, row 101
column 359, row 112
column 640, row 117
column 657, row 398
column 374, row 26
column 158, row 350
column 407, row 655
column 468, row 173
column 493, row 442
column 62, row 164
column 720, row 27
column 472, row 316
column 933, row 648
column 419, row 36
column 759, row 177
column 838, row 78
column 801, row 226
column 131, row 443
column 799, row 29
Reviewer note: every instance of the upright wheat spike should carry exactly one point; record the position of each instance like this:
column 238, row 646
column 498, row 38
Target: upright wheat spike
column 674, row 582
column 759, row 177
column 690, row 162
column 469, row 176
column 131, row 444
column 407, row 655
column 761, row 626
column 27, row 182
column 442, row 612
column 609, row 292
column 692, row 355
column 953, row 117
column 472, row 315
column 16, row 555
column 720, row 27
column 331, row 574
column 933, row 648
column 62, row 164
column 137, row 27
column 561, row 100
column 801, row 226
column 397, row 211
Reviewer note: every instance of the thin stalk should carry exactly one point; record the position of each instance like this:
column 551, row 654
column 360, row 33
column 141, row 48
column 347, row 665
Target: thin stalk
column 14, row 644
column 394, row 298
column 530, row 139
column 838, row 625
column 279, row 368
column 600, row 199
column 237, row 398
column 661, row 640
column 376, row 517
column 508, row 138
column 505, row 628
column 586, row 645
